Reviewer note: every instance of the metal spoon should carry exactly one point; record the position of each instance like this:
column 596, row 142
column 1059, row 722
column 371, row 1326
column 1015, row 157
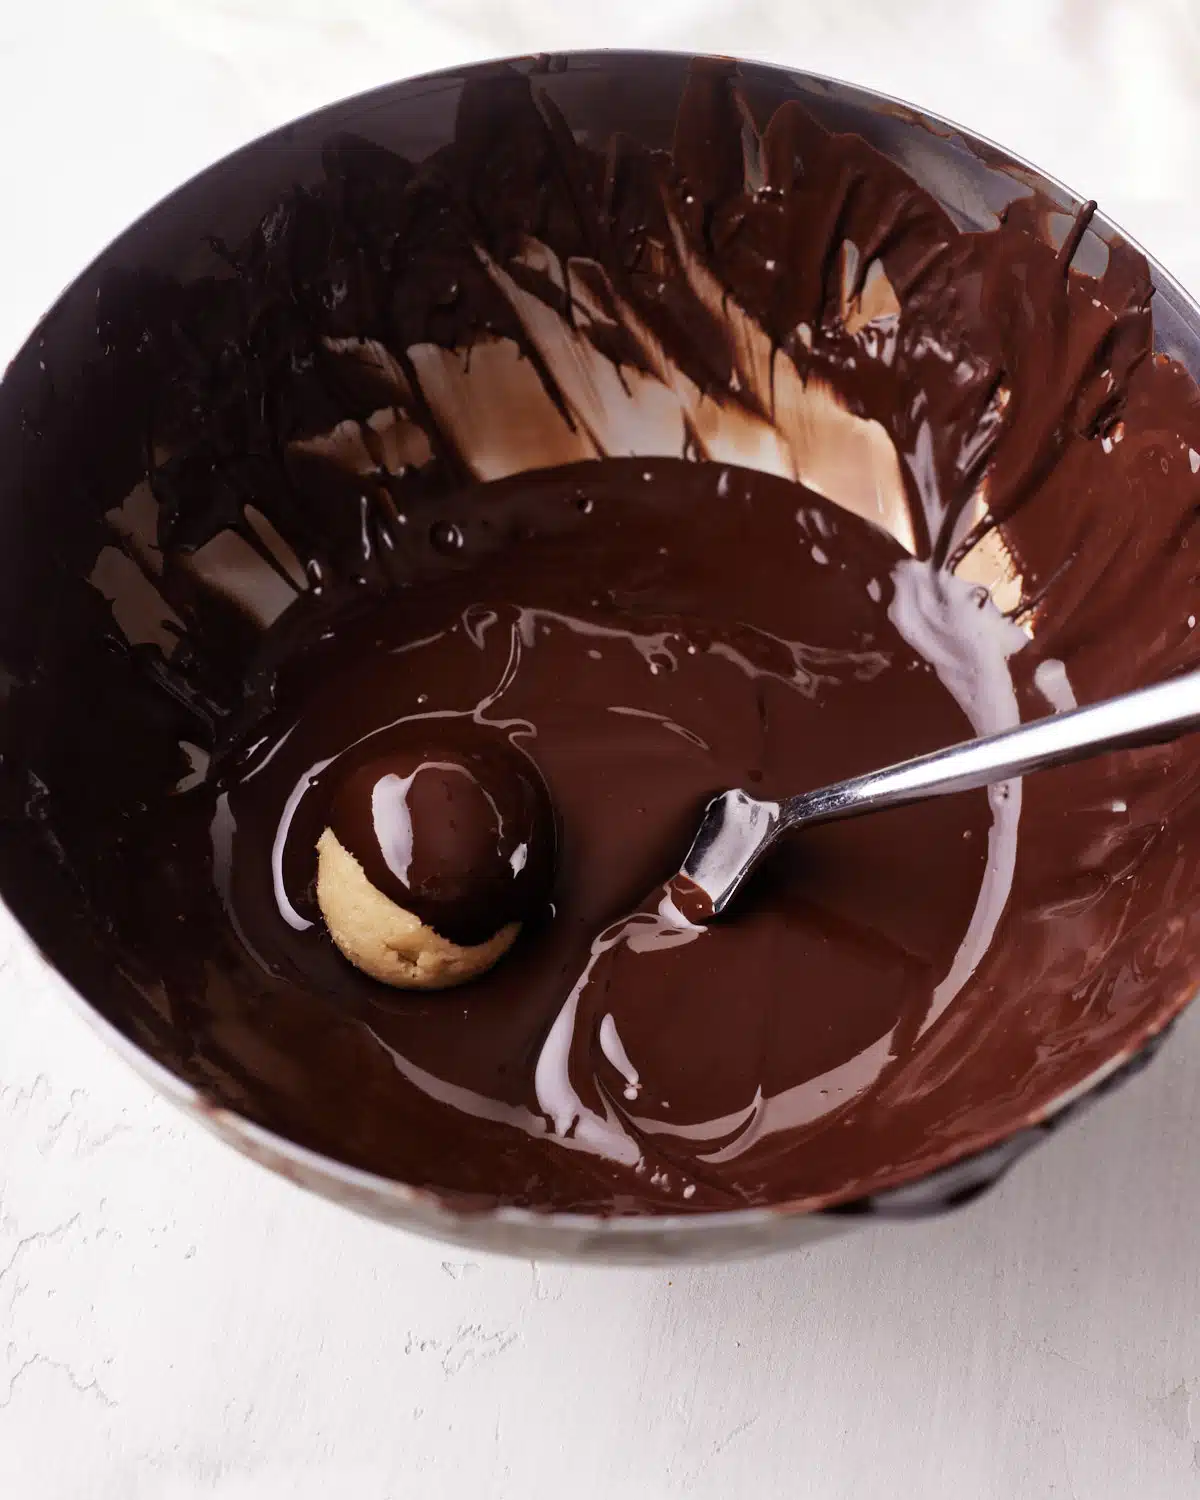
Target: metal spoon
column 738, row 830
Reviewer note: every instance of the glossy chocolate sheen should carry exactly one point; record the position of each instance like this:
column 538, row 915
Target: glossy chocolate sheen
column 652, row 631
column 663, row 464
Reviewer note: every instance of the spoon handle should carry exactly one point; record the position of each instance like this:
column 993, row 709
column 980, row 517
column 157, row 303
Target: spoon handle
column 1146, row 716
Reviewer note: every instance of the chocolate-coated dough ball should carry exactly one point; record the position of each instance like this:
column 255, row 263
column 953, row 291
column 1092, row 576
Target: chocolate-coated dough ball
column 434, row 856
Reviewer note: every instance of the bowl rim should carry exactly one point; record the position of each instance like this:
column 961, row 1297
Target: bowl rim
column 574, row 1235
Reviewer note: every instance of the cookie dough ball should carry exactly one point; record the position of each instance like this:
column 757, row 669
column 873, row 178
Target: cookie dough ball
column 388, row 942
column 434, row 856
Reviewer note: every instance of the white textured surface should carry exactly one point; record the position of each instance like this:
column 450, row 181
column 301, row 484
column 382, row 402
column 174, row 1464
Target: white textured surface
column 175, row 1322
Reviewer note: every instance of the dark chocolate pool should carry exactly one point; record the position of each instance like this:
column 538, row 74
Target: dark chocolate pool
column 602, row 432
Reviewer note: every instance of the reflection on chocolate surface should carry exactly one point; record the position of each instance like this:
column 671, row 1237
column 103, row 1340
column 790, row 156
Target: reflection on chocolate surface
column 660, row 466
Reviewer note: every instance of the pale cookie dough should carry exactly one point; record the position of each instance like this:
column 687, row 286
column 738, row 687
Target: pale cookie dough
column 386, row 941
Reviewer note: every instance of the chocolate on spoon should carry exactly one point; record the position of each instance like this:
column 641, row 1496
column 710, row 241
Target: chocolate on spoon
column 737, row 831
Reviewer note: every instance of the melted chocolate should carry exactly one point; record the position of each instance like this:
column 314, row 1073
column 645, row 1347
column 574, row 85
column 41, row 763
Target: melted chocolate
column 672, row 635
column 894, row 483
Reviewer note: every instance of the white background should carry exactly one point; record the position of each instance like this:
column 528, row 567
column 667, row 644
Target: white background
column 176, row 1323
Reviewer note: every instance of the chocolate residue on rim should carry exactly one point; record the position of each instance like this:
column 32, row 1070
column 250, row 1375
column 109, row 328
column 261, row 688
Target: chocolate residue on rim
column 736, row 463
